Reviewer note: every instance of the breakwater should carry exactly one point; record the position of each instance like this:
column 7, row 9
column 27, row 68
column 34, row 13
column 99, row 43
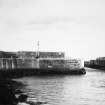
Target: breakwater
column 98, row 63
column 16, row 67
column 17, row 63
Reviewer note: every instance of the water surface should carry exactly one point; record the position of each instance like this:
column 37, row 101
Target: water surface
column 86, row 89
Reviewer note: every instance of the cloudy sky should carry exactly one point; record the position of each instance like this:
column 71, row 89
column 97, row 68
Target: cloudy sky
column 76, row 27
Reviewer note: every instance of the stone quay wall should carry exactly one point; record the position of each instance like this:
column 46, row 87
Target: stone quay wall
column 17, row 63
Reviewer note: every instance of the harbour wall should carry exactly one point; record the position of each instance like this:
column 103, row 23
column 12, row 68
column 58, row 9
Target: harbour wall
column 25, row 59
column 98, row 63
column 16, row 67
column 17, row 63
column 33, row 63
column 28, row 63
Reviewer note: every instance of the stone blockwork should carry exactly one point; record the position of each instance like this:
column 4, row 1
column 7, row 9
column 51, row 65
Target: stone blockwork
column 8, row 63
column 26, row 59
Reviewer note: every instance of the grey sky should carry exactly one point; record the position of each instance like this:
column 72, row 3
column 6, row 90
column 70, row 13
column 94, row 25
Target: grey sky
column 74, row 26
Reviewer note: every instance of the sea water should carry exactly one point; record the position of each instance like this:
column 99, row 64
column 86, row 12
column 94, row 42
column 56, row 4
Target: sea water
column 88, row 89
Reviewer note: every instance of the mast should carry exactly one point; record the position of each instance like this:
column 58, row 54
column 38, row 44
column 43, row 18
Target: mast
column 37, row 55
column 38, row 49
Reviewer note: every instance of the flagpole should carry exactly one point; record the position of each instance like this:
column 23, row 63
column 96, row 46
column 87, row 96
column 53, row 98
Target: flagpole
column 37, row 56
column 38, row 48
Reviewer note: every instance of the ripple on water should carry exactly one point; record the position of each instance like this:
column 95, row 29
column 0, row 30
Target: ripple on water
column 87, row 89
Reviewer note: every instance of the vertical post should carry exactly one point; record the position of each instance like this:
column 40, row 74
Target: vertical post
column 32, row 61
column 12, row 63
column 38, row 49
column 2, row 65
column 38, row 63
column 6, row 61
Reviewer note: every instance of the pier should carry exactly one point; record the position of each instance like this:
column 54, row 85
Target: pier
column 27, row 63
column 8, row 63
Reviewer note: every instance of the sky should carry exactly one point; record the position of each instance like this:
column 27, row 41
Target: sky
column 76, row 27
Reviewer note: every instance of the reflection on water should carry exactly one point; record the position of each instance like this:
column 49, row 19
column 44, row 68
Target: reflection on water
column 86, row 89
